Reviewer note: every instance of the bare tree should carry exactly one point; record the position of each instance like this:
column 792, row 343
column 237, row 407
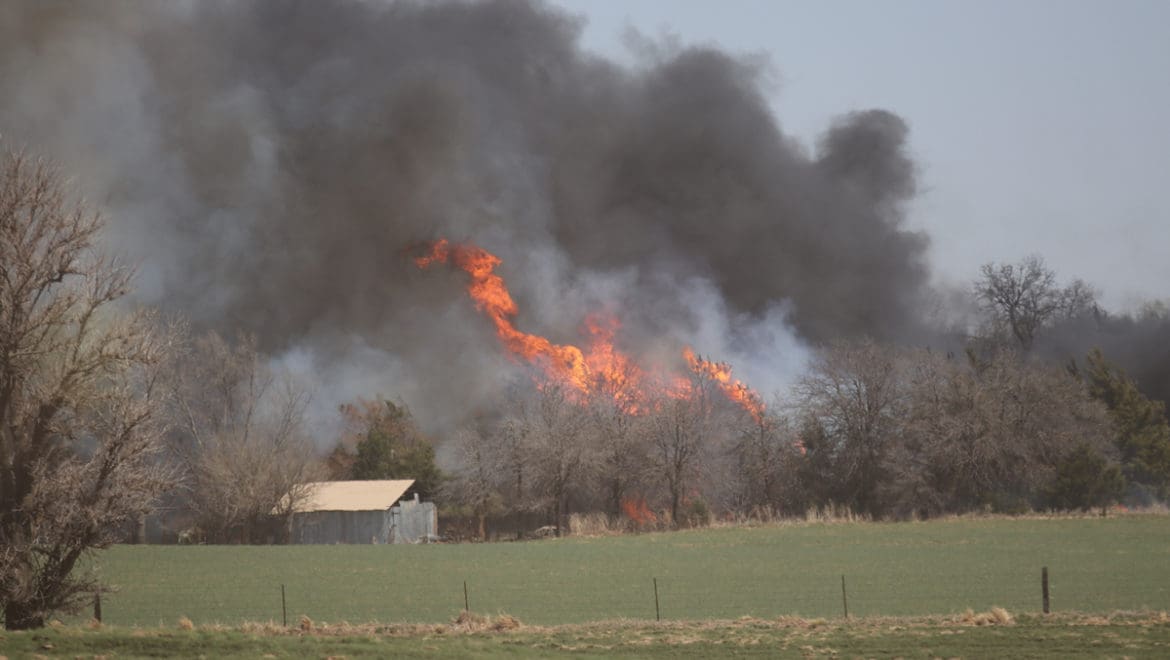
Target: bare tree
column 623, row 463
column 558, row 457
column 765, row 453
column 852, row 397
column 476, row 478
column 79, row 396
column 987, row 433
column 1021, row 299
column 241, row 440
column 678, row 425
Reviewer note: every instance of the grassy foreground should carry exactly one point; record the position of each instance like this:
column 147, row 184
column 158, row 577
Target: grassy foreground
column 891, row 569
column 984, row 635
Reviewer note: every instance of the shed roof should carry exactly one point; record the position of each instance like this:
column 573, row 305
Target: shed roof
column 376, row 495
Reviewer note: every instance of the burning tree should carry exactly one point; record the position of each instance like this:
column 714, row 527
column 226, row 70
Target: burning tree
column 638, row 419
column 623, row 462
column 79, row 396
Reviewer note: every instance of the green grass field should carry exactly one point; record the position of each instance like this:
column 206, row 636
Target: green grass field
column 895, row 569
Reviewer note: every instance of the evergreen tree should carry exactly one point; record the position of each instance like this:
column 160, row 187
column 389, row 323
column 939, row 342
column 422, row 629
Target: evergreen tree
column 1143, row 435
column 392, row 447
column 1085, row 480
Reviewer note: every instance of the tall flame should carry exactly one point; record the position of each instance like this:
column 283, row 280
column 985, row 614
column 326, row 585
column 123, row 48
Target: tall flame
column 491, row 296
column 720, row 374
column 603, row 369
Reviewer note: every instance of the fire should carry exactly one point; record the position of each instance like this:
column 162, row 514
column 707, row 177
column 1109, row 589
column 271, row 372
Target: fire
column 720, row 373
column 612, row 371
column 490, row 295
column 603, row 368
column 636, row 510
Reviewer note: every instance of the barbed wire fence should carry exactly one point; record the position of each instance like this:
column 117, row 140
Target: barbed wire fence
column 546, row 600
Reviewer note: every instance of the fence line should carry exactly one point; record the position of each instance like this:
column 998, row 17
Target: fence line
column 676, row 596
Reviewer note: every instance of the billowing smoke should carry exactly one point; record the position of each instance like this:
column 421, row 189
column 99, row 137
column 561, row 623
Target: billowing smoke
column 1138, row 342
column 271, row 163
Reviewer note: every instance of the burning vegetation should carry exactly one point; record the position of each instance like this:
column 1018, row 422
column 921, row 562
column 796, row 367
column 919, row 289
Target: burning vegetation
column 261, row 159
column 602, row 368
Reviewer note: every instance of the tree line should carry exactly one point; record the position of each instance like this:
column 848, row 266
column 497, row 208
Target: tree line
column 108, row 410
column 880, row 431
column 875, row 429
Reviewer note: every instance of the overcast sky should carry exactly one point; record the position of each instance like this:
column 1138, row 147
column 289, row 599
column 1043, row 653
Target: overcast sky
column 1039, row 126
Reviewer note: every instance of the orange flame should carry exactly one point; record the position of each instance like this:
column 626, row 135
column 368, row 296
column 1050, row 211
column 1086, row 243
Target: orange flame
column 491, row 296
column 603, row 369
column 637, row 511
column 720, row 373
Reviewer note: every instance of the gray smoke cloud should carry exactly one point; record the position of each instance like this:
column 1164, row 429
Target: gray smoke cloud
column 1137, row 342
column 270, row 164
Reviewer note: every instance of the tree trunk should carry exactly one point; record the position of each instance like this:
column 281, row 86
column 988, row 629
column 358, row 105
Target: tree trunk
column 20, row 615
column 674, row 503
column 615, row 498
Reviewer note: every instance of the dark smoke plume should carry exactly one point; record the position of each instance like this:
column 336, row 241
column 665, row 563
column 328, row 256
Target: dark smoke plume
column 268, row 162
column 1138, row 342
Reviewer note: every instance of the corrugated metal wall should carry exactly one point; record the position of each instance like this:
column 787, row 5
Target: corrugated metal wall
column 341, row 527
column 413, row 521
column 407, row 522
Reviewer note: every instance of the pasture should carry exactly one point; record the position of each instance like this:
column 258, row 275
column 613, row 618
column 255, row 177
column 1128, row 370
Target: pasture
column 891, row 569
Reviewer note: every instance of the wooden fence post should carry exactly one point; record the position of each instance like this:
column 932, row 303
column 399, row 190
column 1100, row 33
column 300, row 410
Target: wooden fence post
column 657, row 611
column 1044, row 587
column 844, row 598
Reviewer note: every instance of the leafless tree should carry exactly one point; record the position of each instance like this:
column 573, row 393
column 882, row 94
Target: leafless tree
column 679, row 425
column 987, row 433
column 509, row 442
column 623, row 463
column 80, row 396
column 240, row 440
column 852, row 397
column 765, row 451
column 558, row 457
column 475, row 481
column 1021, row 299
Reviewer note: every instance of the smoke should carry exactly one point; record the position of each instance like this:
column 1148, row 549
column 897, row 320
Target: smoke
column 269, row 163
column 1138, row 342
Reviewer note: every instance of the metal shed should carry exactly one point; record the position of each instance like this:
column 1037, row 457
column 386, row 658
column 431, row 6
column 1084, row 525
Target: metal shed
column 362, row 512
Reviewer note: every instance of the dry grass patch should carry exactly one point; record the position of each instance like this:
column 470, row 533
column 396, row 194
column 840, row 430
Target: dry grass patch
column 996, row 616
column 472, row 622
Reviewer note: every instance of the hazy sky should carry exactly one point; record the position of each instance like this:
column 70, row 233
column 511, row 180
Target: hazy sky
column 1039, row 126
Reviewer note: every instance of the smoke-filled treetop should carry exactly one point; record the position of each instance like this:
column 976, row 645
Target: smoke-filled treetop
column 269, row 161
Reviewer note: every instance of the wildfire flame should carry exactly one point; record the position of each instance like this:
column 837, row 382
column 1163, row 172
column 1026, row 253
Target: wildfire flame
column 720, row 373
column 603, row 368
column 636, row 510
